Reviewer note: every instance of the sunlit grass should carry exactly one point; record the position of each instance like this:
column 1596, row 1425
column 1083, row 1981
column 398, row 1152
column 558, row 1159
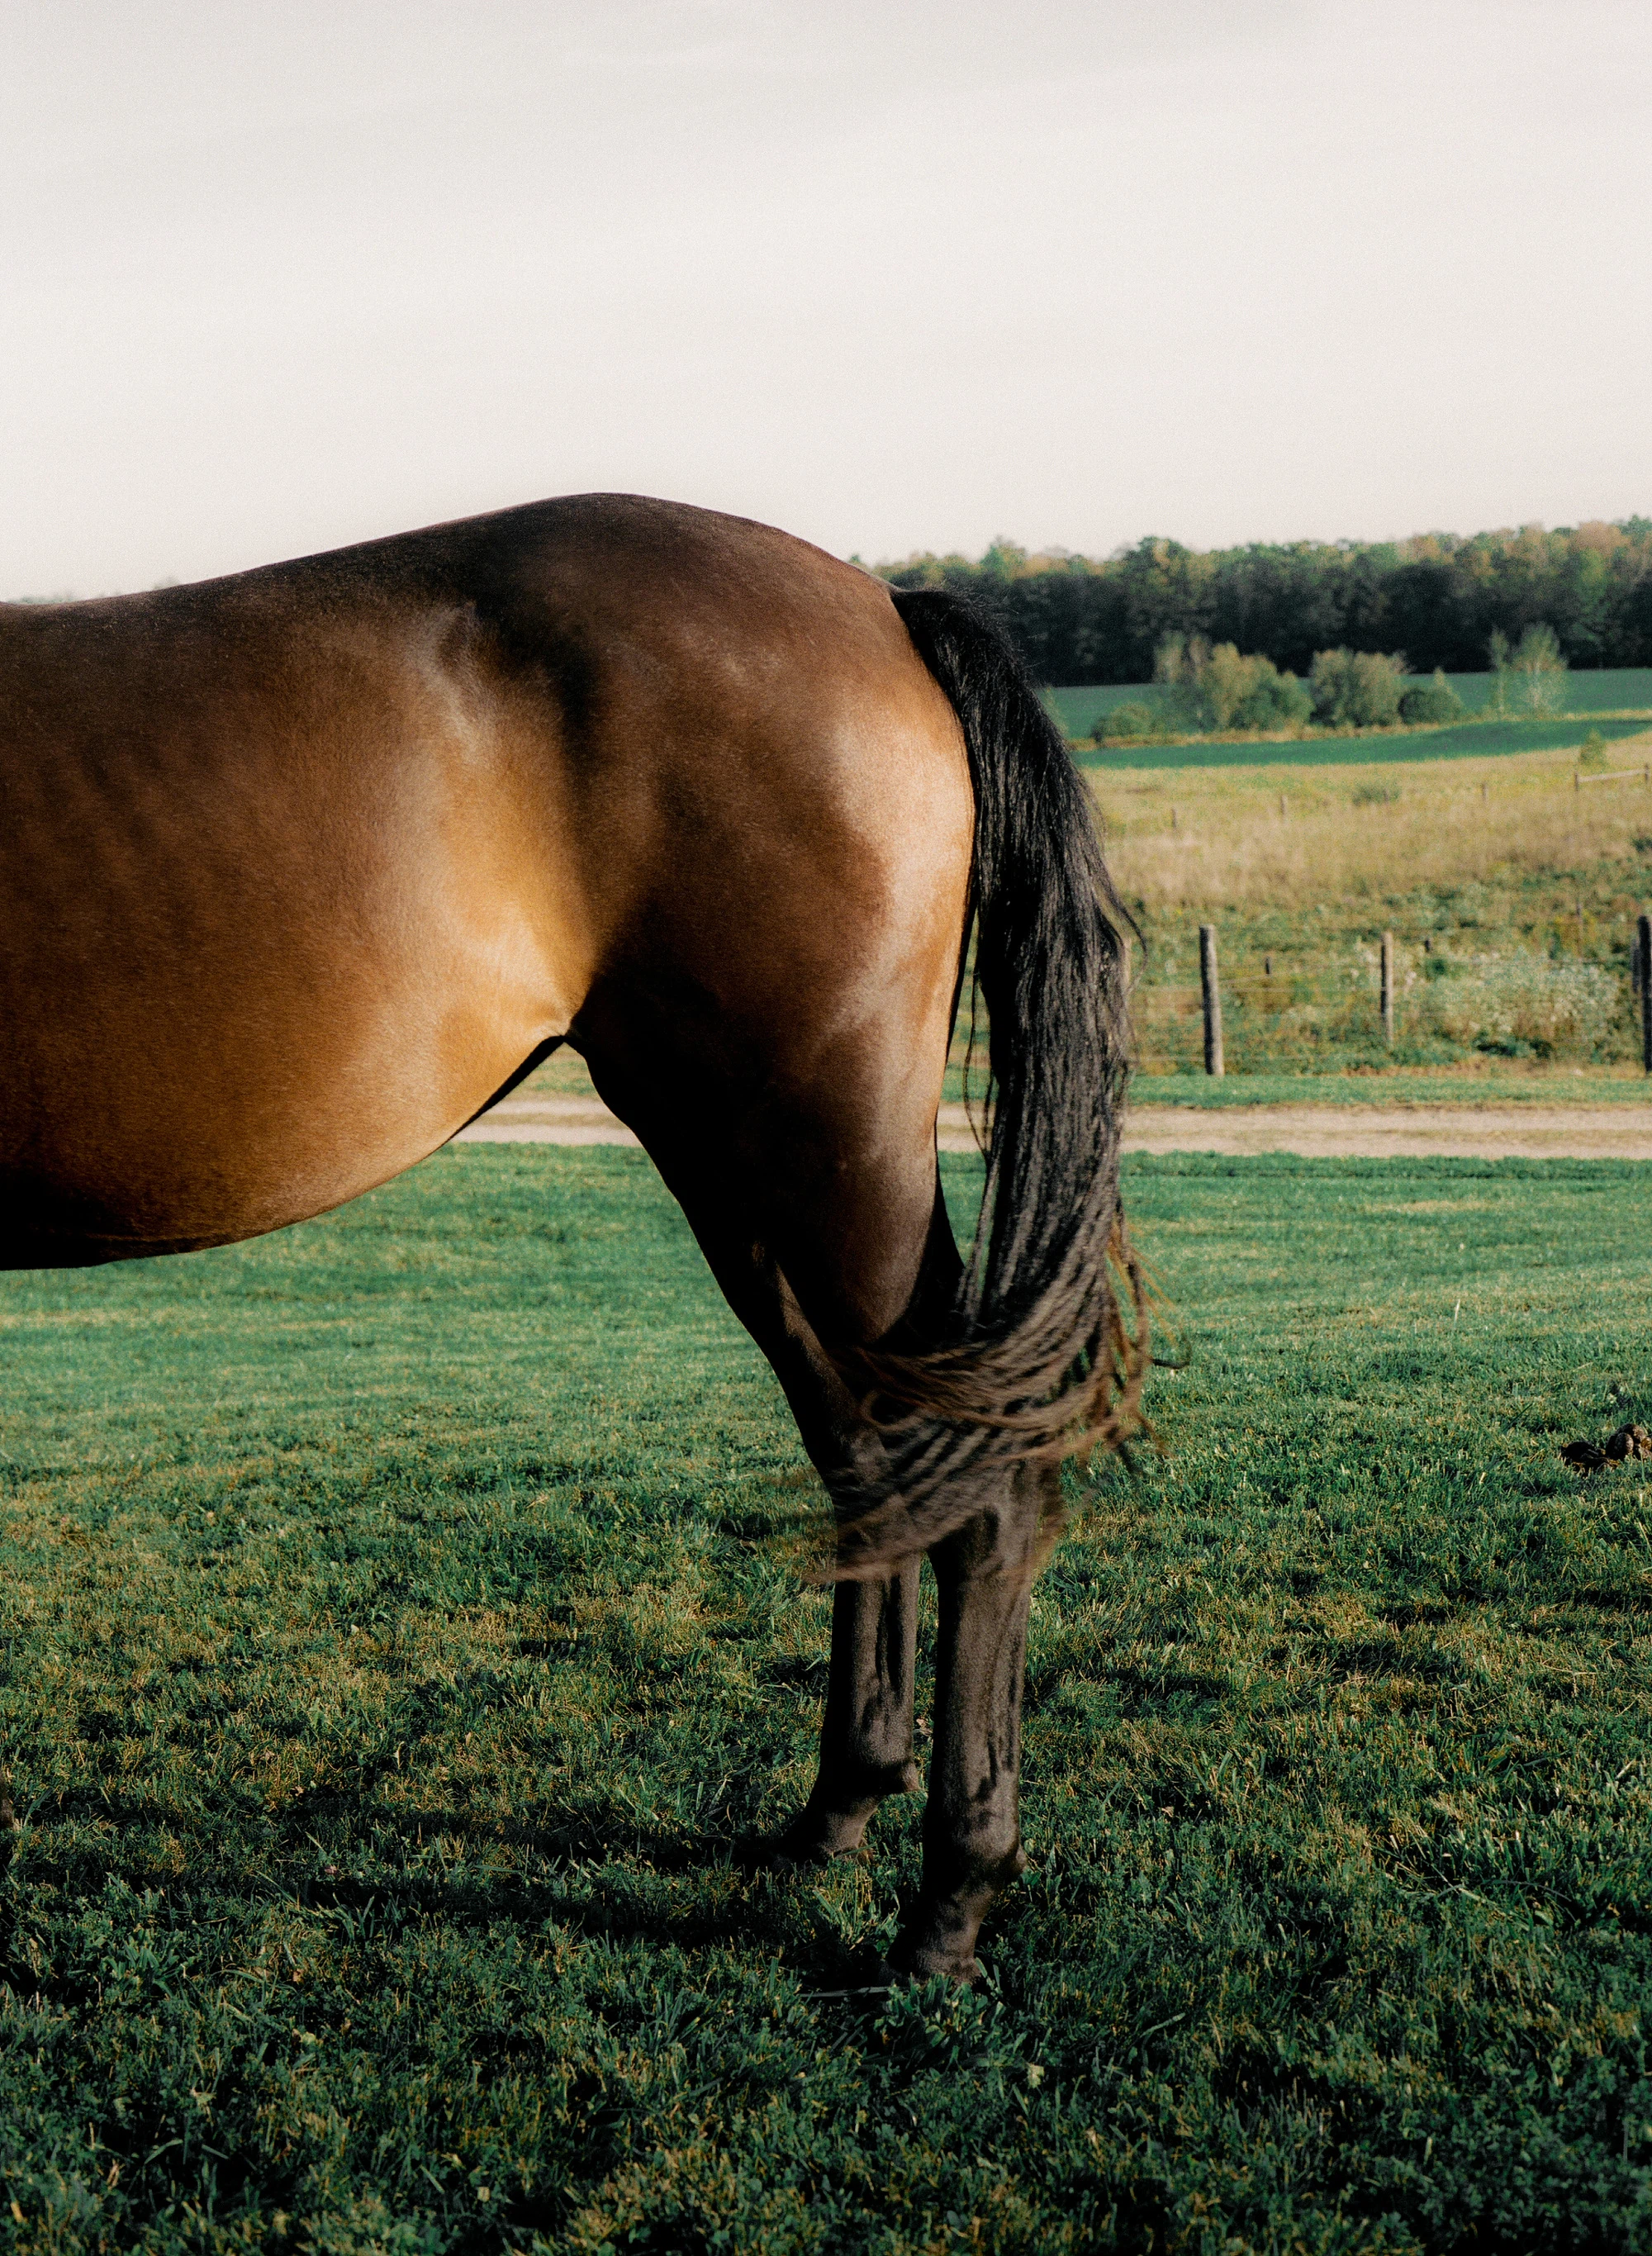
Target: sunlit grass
column 398, row 1656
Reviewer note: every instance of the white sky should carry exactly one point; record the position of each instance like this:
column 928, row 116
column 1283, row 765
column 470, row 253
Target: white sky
column 893, row 273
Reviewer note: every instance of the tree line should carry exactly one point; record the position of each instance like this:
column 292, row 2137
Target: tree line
column 1438, row 597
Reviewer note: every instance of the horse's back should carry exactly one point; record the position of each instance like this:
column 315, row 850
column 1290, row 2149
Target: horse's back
column 299, row 866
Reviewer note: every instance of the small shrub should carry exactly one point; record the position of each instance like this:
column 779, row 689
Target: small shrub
column 1376, row 794
column 1357, row 688
column 1272, row 699
column 1593, row 751
column 1539, row 670
column 1129, row 724
column 1431, row 703
column 1210, row 688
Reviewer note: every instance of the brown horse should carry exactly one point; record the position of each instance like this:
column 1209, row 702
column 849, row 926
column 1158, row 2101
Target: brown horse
column 302, row 867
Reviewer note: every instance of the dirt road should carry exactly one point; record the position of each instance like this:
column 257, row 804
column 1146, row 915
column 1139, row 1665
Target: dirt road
column 1619, row 1132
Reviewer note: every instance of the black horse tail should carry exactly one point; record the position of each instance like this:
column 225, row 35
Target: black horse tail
column 1037, row 1361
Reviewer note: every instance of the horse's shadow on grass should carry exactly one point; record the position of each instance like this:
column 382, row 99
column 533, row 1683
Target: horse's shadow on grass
column 597, row 1881
column 339, row 1852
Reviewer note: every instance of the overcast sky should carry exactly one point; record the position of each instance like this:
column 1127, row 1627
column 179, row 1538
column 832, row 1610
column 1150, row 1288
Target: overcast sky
column 893, row 273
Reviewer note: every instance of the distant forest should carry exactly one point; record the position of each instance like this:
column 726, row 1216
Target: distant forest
column 1437, row 597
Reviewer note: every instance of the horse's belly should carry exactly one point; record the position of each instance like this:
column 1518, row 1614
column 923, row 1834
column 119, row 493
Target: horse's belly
column 161, row 1143
column 186, row 1202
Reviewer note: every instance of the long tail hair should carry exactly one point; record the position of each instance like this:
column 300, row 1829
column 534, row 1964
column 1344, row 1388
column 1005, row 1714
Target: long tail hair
column 1037, row 1361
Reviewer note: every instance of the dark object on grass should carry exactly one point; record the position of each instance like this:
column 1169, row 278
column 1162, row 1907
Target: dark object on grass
column 1584, row 1457
column 301, row 870
column 1629, row 1442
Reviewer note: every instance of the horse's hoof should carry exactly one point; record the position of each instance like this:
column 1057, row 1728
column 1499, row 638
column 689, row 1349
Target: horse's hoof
column 806, row 1843
column 782, row 1858
column 821, row 1831
column 939, row 1935
column 921, row 1963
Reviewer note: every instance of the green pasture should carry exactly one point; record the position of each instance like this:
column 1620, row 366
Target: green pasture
column 1079, row 709
column 1477, row 1086
column 1610, row 689
column 400, row 1653
column 1589, row 689
column 1569, row 1088
column 1466, row 740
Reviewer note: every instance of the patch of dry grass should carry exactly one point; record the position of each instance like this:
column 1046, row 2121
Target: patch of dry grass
column 1201, row 839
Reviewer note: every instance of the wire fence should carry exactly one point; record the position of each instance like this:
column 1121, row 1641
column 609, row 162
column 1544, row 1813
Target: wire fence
column 1292, row 1010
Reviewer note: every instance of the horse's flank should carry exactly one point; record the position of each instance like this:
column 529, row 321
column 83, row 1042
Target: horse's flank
column 302, row 865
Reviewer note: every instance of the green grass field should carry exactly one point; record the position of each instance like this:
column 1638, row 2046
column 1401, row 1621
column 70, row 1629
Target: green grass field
column 1612, row 690
column 1589, row 689
column 400, row 1650
column 1464, row 1089
column 1471, row 740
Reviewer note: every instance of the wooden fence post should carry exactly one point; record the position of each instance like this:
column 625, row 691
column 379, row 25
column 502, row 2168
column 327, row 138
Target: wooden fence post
column 1643, row 933
column 1387, row 989
column 1210, row 987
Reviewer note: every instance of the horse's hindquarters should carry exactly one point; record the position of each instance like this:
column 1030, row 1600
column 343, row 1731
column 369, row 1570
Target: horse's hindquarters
column 299, row 866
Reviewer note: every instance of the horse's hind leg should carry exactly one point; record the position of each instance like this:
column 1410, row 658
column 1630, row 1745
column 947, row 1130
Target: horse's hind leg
column 865, row 1741
column 971, row 1825
column 985, row 1573
column 866, row 1732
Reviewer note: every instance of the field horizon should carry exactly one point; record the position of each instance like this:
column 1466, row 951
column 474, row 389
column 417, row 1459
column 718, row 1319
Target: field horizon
column 1589, row 693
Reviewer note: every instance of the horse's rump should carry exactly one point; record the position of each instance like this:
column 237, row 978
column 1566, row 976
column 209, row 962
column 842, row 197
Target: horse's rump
column 302, row 865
